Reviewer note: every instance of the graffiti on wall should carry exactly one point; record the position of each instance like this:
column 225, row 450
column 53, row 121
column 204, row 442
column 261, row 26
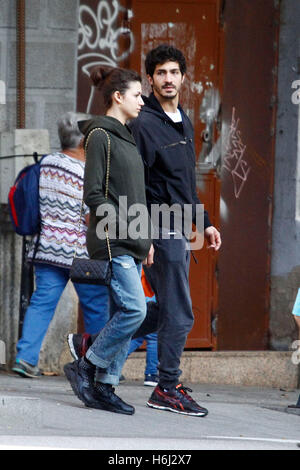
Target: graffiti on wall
column 234, row 158
column 99, row 37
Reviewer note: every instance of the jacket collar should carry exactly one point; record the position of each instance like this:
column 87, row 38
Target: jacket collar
column 110, row 124
column 152, row 105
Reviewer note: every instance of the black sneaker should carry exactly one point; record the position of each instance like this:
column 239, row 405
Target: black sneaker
column 79, row 344
column 81, row 376
column 110, row 401
column 176, row 400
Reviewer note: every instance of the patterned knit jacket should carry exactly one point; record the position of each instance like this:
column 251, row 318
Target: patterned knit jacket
column 61, row 190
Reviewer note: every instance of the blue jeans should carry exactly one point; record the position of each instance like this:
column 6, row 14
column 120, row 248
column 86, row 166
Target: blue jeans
column 127, row 312
column 151, row 351
column 50, row 283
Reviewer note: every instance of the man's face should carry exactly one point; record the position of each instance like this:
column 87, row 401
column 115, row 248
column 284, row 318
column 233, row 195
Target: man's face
column 167, row 80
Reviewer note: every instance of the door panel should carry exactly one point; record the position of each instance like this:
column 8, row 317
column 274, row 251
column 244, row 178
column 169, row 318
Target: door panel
column 248, row 123
column 193, row 27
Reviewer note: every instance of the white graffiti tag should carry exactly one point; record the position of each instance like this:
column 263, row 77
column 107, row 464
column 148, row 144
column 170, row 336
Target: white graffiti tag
column 234, row 161
column 99, row 35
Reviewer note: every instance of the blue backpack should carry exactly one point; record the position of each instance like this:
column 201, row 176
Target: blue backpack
column 23, row 201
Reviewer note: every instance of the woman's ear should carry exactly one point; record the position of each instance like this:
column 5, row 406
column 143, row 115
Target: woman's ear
column 117, row 97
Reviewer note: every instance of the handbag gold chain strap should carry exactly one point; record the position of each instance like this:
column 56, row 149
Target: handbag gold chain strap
column 106, row 185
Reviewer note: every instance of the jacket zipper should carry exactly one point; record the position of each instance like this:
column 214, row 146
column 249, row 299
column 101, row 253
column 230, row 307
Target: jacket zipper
column 183, row 142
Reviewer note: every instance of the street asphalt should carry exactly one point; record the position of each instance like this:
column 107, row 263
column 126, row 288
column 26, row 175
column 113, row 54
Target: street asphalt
column 43, row 413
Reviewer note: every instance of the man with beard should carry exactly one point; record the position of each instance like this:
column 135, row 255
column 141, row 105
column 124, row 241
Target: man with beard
column 164, row 136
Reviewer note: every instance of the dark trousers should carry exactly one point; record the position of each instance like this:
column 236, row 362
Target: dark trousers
column 169, row 279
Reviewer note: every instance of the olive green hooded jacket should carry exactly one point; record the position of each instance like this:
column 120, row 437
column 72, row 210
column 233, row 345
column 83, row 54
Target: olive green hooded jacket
column 124, row 212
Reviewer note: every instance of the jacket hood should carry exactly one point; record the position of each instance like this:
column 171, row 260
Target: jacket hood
column 152, row 103
column 110, row 124
column 153, row 106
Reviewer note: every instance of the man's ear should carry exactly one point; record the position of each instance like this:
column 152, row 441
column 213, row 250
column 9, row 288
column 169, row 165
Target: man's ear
column 183, row 77
column 150, row 79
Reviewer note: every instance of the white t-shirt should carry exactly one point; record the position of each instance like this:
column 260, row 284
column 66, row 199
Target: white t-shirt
column 176, row 117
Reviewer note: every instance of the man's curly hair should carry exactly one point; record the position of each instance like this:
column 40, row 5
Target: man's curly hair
column 162, row 54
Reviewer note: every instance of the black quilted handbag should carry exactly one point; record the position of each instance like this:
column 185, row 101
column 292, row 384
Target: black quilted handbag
column 93, row 271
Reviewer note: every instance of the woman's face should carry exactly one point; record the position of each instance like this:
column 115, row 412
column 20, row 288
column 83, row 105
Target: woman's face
column 132, row 100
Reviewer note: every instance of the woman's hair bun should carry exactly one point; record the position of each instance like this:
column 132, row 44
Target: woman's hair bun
column 108, row 80
column 99, row 74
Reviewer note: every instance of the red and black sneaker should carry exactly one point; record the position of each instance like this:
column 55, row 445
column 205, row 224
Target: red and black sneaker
column 79, row 344
column 176, row 400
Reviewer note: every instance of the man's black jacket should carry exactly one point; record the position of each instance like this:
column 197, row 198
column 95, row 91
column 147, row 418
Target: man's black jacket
column 168, row 152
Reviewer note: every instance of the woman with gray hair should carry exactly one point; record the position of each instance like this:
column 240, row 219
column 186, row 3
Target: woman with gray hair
column 61, row 191
column 68, row 132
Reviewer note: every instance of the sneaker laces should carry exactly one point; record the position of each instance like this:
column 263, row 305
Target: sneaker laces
column 106, row 389
column 184, row 391
column 87, row 367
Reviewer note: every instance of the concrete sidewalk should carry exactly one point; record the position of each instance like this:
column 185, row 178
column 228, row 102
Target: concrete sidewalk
column 43, row 413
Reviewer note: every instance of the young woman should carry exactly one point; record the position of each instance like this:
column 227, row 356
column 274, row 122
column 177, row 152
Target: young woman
column 121, row 93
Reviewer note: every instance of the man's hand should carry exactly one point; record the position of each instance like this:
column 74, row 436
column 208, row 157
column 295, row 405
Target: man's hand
column 213, row 238
column 150, row 258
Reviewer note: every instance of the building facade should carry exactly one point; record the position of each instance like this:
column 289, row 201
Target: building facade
column 241, row 94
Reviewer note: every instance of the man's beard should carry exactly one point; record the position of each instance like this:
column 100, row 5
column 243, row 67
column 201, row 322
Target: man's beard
column 166, row 96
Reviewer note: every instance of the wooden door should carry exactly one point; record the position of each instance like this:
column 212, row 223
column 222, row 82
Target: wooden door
column 194, row 27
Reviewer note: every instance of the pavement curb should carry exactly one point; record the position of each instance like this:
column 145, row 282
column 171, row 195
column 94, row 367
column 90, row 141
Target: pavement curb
column 241, row 368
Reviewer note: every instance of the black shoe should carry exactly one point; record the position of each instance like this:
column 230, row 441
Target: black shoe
column 176, row 400
column 151, row 380
column 110, row 401
column 81, row 376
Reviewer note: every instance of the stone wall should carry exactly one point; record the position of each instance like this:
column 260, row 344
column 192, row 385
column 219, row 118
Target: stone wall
column 51, row 50
column 51, row 67
column 285, row 279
